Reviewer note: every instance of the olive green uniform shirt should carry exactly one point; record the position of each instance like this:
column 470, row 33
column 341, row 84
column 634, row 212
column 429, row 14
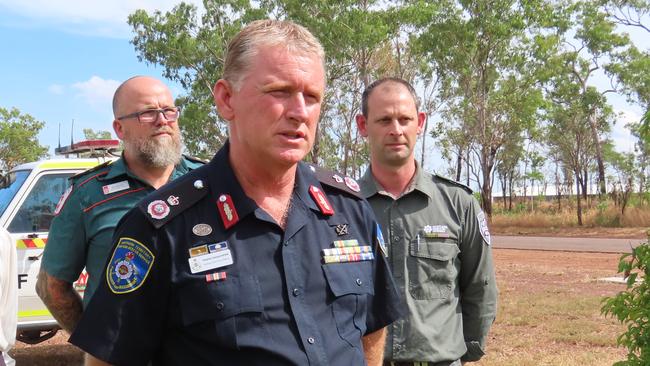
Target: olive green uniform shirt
column 86, row 216
column 440, row 253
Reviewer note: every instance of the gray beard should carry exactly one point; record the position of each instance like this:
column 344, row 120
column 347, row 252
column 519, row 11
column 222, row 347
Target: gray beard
column 155, row 153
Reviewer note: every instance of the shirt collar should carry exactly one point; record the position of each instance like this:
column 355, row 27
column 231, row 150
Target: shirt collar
column 419, row 182
column 119, row 167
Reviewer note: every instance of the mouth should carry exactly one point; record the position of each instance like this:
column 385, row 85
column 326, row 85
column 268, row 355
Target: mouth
column 293, row 135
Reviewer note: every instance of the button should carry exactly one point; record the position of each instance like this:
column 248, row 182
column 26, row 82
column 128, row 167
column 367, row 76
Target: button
column 359, row 282
column 220, row 305
column 296, row 292
column 397, row 238
column 286, row 243
column 311, row 340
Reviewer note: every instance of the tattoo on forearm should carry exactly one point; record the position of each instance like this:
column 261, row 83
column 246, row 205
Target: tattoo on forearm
column 61, row 300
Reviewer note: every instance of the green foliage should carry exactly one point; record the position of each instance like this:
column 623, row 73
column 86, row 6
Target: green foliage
column 89, row 134
column 632, row 306
column 18, row 138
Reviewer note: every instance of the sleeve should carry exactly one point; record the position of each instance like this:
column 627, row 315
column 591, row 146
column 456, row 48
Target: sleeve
column 386, row 305
column 125, row 320
column 64, row 256
column 477, row 282
column 8, row 291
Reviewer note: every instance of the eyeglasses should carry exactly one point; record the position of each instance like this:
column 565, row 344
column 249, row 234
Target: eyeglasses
column 151, row 115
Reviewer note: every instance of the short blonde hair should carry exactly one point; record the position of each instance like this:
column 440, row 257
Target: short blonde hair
column 271, row 33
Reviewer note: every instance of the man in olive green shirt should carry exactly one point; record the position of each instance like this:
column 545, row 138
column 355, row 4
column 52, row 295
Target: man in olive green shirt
column 437, row 237
column 146, row 120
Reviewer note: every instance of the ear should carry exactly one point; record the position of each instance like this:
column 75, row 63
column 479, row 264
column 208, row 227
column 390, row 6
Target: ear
column 362, row 125
column 222, row 93
column 119, row 129
column 422, row 118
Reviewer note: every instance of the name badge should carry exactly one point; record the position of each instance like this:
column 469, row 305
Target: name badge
column 115, row 187
column 209, row 261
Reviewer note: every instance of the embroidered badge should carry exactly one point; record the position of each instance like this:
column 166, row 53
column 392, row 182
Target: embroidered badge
column 173, row 200
column 319, row 197
column 483, row 227
column 436, row 231
column 129, row 266
column 352, row 184
column 198, row 184
column 64, row 197
column 227, row 211
column 381, row 242
column 341, row 229
column 115, row 187
column 202, row 229
column 158, row 209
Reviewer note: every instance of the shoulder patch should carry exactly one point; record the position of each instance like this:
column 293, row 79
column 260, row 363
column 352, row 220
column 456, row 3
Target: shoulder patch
column 338, row 181
column 129, row 266
column 169, row 201
column 449, row 180
column 92, row 170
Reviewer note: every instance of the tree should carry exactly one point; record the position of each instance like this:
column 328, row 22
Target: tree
column 90, row 134
column 481, row 48
column 18, row 138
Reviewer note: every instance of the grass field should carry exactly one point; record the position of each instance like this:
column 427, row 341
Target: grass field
column 549, row 310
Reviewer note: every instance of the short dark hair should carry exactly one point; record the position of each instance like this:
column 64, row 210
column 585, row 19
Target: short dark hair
column 376, row 83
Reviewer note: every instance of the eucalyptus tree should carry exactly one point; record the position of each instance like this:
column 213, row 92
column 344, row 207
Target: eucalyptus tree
column 482, row 49
column 19, row 138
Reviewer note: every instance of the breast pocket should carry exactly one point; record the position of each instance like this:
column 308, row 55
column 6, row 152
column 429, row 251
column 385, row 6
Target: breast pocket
column 431, row 268
column 351, row 284
column 217, row 312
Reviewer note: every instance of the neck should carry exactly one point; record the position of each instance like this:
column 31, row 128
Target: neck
column 156, row 177
column 394, row 179
column 270, row 188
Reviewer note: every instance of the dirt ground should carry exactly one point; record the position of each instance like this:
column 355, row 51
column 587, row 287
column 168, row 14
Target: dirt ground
column 519, row 273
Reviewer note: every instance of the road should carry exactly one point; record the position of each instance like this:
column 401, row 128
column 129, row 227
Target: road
column 601, row 245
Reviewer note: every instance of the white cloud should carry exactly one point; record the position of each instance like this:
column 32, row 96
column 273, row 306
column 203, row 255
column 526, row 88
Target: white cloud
column 96, row 91
column 103, row 18
column 56, row 89
column 621, row 135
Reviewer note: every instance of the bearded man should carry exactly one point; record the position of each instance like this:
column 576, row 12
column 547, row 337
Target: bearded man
column 146, row 120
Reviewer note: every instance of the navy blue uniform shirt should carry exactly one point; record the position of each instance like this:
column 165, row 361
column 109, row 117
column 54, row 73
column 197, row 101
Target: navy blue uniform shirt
column 200, row 275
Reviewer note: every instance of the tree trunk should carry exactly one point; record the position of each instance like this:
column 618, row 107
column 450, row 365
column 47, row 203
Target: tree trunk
column 599, row 154
column 459, row 164
column 578, row 200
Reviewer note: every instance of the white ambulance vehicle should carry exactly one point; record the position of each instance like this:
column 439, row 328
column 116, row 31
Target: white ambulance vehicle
column 28, row 196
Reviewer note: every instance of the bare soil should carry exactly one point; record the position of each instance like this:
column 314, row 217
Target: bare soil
column 577, row 232
column 521, row 274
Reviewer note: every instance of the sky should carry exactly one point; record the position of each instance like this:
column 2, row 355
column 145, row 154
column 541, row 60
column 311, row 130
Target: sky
column 63, row 59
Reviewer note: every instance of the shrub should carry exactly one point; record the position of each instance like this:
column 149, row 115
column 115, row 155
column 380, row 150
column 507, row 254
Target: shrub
column 632, row 306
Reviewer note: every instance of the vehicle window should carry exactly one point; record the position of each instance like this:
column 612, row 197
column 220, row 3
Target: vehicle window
column 10, row 185
column 37, row 211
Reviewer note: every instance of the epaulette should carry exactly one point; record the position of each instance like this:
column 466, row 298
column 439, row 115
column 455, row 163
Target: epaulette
column 170, row 200
column 194, row 159
column 338, row 181
column 449, row 180
column 91, row 170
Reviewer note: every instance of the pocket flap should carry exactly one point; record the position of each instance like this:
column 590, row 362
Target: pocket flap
column 349, row 278
column 435, row 249
column 202, row 301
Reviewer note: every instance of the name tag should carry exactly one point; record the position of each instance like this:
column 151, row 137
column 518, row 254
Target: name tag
column 115, row 187
column 209, row 261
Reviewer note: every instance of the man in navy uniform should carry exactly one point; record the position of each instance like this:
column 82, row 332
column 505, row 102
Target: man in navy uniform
column 256, row 258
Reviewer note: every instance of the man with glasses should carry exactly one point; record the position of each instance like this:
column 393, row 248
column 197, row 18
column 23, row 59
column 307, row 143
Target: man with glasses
column 146, row 120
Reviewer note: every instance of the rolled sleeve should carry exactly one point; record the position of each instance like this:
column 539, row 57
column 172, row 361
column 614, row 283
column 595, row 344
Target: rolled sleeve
column 65, row 253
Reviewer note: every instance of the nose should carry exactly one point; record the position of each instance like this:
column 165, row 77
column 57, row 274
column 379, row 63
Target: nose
column 396, row 128
column 297, row 108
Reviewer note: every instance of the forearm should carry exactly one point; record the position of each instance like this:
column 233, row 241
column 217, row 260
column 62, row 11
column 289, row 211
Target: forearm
column 373, row 347
column 60, row 298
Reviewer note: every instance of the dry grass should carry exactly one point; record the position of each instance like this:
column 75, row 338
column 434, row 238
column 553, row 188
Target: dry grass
column 549, row 310
column 547, row 215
